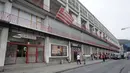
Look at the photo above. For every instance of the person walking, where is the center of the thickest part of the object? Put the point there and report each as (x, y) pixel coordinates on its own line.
(78, 59)
(84, 59)
(103, 57)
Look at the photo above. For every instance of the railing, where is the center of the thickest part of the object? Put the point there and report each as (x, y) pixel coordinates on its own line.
(16, 20)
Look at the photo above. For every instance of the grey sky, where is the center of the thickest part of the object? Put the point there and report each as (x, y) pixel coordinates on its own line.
(114, 14)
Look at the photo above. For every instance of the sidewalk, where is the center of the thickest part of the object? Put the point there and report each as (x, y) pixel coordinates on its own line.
(43, 68)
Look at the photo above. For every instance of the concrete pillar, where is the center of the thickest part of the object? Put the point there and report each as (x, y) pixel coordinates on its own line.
(91, 51)
(67, 7)
(47, 50)
(87, 24)
(3, 44)
(46, 21)
(69, 51)
(8, 7)
(7, 10)
(47, 5)
(79, 17)
(79, 20)
(97, 50)
(82, 49)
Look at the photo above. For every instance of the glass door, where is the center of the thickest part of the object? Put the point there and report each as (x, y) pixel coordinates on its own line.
(40, 54)
(11, 54)
(31, 54)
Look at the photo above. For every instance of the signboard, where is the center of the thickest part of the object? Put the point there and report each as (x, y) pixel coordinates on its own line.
(58, 50)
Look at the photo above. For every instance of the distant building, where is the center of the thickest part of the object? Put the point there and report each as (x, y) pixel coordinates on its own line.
(126, 44)
(46, 31)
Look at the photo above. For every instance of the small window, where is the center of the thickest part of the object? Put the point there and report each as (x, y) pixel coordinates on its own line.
(58, 50)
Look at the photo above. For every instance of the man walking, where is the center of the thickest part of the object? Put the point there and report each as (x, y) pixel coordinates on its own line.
(78, 59)
(103, 57)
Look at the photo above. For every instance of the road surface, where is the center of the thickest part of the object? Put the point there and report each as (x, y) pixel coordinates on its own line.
(118, 66)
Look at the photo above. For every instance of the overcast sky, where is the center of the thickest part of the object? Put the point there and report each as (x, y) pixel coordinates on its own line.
(114, 14)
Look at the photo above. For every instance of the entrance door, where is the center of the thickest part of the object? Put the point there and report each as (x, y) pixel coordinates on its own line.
(35, 54)
(31, 54)
(21, 54)
(40, 54)
(75, 56)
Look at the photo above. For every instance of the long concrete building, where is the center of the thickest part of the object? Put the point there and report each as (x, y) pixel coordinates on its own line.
(46, 31)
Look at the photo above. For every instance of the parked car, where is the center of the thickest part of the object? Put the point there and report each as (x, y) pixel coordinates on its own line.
(116, 56)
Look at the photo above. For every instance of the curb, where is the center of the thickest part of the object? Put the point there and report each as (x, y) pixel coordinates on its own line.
(77, 67)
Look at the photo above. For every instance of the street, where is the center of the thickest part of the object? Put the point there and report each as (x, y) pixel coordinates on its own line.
(119, 66)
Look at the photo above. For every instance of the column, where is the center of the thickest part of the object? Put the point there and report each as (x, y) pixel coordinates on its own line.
(91, 51)
(8, 7)
(69, 51)
(46, 5)
(67, 7)
(87, 24)
(46, 21)
(7, 10)
(82, 49)
(79, 20)
(3, 44)
(79, 17)
(97, 50)
(47, 50)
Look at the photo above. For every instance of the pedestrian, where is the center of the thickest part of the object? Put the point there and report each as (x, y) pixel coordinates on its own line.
(103, 57)
(91, 56)
(78, 59)
(84, 59)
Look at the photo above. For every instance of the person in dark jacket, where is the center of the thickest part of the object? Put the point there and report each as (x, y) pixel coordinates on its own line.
(103, 57)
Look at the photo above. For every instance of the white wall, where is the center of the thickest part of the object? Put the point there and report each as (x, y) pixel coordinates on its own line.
(47, 50)
(3, 41)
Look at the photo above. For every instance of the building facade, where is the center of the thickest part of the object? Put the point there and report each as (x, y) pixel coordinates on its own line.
(30, 32)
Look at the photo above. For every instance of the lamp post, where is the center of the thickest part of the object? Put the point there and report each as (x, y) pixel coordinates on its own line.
(125, 28)
(122, 48)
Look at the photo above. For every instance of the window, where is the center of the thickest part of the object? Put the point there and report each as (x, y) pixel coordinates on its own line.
(91, 28)
(77, 6)
(83, 23)
(86, 49)
(70, 2)
(90, 17)
(58, 50)
(96, 31)
(100, 34)
(38, 3)
(81, 9)
(74, 4)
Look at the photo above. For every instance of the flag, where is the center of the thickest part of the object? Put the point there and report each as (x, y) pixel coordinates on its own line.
(64, 16)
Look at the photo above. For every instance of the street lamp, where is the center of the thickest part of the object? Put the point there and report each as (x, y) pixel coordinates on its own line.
(122, 45)
(125, 28)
